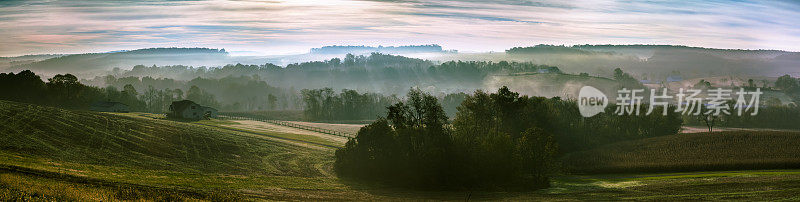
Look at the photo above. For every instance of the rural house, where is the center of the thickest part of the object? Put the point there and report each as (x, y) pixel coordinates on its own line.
(186, 109)
(108, 106)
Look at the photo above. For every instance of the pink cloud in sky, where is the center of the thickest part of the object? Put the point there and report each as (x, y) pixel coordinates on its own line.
(280, 27)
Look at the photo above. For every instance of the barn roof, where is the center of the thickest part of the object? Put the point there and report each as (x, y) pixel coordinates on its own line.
(179, 106)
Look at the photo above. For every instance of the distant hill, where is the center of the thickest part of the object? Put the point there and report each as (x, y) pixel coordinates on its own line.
(32, 57)
(358, 50)
(92, 64)
(645, 50)
(549, 49)
(646, 62)
(726, 53)
(657, 62)
(98, 62)
(6, 62)
(791, 56)
(173, 51)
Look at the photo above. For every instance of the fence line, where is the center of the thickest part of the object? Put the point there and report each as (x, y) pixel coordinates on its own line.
(291, 125)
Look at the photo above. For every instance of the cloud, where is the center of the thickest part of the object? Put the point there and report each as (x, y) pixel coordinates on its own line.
(278, 27)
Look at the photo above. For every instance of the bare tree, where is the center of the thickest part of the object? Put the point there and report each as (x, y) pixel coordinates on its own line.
(711, 120)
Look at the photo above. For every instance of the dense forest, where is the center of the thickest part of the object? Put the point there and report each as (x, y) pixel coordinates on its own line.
(789, 85)
(271, 87)
(497, 141)
(325, 104)
(239, 93)
(379, 73)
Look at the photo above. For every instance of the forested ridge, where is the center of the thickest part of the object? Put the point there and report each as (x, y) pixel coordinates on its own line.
(270, 87)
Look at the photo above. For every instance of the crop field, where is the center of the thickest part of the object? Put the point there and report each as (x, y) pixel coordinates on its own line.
(727, 150)
(53, 154)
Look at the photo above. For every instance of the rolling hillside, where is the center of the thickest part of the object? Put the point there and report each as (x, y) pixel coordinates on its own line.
(104, 139)
(6, 62)
(123, 150)
(50, 154)
(728, 150)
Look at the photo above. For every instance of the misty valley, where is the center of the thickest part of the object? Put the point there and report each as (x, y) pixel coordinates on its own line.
(401, 100)
(509, 123)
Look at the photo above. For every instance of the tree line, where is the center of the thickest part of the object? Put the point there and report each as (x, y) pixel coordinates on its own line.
(232, 93)
(376, 72)
(65, 91)
(790, 86)
(349, 105)
(60, 91)
(772, 112)
(496, 141)
(325, 104)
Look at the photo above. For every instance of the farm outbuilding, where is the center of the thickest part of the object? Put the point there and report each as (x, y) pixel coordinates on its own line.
(108, 106)
(187, 109)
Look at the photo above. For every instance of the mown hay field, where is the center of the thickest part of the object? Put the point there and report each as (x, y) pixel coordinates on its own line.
(162, 153)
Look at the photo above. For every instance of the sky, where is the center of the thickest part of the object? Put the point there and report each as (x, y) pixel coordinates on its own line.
(272, 27)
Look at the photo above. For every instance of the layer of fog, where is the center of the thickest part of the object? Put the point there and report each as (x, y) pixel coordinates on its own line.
(650, 64)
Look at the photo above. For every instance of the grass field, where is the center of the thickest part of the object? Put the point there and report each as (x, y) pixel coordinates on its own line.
(727, 150)
(288, 132)
(258, 129)
(154, 152)
(763, 185)
(60, 155)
